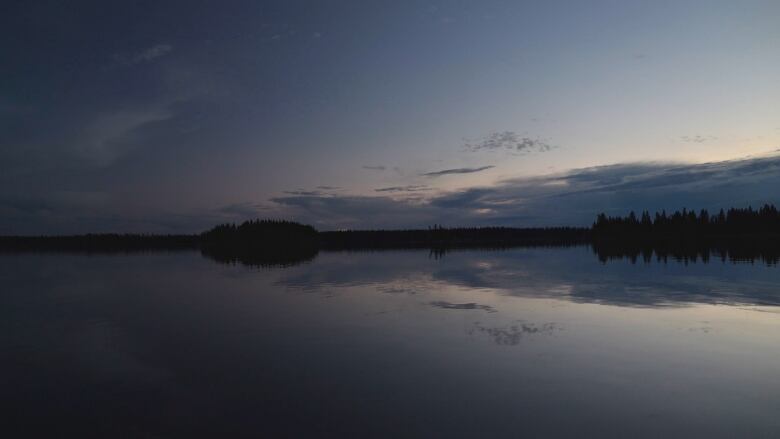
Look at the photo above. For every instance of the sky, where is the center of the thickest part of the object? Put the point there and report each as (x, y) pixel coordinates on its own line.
(172, 116)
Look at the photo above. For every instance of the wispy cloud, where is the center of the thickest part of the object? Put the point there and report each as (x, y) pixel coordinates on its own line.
(348, 211)
(145, 55)
(305, 193)
(457, 171)
(110, 136)
(322, 190)
(570, 198)
(508, 141)
(698, 139)
(375, 168)
(408, 188)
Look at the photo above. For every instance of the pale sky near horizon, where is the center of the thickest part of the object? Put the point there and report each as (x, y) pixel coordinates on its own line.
(169, 116)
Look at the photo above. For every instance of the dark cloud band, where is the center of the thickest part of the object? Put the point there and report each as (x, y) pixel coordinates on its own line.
(457, 171)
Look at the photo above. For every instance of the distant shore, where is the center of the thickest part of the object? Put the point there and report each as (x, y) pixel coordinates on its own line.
(735, 234)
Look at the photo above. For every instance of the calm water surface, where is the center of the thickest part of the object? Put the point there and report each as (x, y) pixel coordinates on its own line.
(518, 343)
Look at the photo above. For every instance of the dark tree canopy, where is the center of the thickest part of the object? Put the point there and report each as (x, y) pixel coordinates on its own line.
(736, 234)
(745, 221)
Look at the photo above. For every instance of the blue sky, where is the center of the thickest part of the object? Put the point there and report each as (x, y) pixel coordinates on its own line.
(169, 116)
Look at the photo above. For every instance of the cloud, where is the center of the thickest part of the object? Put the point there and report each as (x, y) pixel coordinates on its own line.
(111, 135)
(43, 145)
(350, 212)
(572, 198)
(51, 212)
(508, 141)
(697, 139)
(457, 171)
(319, 191)
(144, 56)
(408, 188)
(575, 197)
(375, 168)
(305, 193)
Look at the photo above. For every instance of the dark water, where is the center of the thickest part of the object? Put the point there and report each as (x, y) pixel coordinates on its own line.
(517, 343)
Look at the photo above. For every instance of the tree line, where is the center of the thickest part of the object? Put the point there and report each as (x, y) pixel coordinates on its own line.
(735, 234)
(734, 221)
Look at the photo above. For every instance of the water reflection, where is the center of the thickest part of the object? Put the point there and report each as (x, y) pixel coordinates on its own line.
(571, 274)
(259, 257)
(736, 250)
(537, 342)
(471, 305)
(512, 334)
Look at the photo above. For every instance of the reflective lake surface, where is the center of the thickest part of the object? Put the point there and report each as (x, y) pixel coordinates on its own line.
(512, 343)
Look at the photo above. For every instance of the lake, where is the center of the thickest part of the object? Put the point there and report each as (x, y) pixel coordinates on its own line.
(527, 342)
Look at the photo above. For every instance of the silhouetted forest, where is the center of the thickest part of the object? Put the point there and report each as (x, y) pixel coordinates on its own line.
(688, 236)
(264, 243)
(735, 234)
(437, 237)
(260, 243)
(734, 222)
